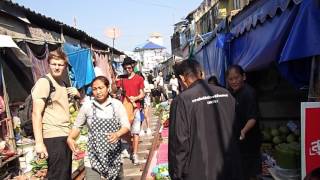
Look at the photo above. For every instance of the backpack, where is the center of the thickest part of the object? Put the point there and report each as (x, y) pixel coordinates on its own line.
(25, 110)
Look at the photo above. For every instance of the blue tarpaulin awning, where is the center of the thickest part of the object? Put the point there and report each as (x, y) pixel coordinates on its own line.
(259, 47)
(304, 38)
(211, 54)
(213, 60)
(279, 31)
(80, 60)
(257, 12)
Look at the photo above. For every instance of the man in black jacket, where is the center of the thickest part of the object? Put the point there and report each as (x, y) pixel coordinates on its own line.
(202, 144)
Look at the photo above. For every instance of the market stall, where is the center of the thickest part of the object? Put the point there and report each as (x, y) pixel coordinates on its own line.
(17, 76)
(276, 42)
(157, 163)
(26, 39)
(9, 156)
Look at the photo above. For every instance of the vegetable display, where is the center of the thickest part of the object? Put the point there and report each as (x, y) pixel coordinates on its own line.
(161, 172)
(39, 167)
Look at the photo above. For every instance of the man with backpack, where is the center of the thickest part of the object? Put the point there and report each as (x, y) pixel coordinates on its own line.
(50, 117)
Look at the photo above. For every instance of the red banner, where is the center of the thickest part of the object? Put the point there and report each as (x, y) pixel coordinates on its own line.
(311, 142)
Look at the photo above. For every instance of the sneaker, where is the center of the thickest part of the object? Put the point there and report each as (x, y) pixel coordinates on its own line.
(149, 132)
(136, 160)
(142, 133)
(125, 154)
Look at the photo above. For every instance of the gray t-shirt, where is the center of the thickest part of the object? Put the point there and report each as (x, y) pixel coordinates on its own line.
(104, 110)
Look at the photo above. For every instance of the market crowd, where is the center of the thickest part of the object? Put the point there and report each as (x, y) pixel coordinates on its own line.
(113, 113)
(213, 132)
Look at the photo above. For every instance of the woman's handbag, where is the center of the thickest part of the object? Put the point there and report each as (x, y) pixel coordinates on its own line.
(129, 108)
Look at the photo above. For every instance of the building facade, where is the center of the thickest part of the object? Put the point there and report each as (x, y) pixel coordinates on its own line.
(200, 23)
(151, 53)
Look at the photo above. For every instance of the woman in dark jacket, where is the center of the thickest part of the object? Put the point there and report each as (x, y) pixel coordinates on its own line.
(247, 121)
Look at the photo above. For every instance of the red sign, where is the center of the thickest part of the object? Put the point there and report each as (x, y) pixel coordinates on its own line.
(310, 137)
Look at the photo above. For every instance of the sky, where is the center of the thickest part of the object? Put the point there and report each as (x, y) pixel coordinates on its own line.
(135, 19)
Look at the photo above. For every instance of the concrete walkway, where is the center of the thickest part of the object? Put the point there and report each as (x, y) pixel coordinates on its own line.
(132, 172)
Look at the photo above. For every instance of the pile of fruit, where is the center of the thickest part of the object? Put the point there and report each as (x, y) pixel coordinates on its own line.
(76, 164)
(81, 141)
(73, 113)
(280, 135)
(84, 131)
(158, 109)
(287, 155)
(284, 144)
(162, 110)
(161, 172)
(39, 167)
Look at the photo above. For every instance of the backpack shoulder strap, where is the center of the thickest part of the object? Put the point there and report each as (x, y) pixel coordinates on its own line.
(51, 89)
(65, 84)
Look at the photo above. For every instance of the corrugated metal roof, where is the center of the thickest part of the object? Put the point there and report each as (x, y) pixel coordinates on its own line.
(54, 25)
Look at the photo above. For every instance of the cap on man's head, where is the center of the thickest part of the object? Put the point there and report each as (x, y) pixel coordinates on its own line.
(128, 61)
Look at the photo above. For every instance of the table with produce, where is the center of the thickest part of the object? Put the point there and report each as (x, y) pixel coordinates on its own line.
(159, 164)
(78, 159)
(33, 167)
(281, 151)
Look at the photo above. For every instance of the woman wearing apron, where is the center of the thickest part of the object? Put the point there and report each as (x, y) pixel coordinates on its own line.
(107, 121)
